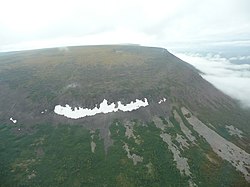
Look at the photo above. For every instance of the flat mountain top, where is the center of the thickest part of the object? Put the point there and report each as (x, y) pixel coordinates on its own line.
(132, 107)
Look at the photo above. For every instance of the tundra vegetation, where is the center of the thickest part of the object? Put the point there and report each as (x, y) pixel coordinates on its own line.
(159, 144)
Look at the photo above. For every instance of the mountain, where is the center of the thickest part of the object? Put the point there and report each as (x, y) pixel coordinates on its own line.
(117, 115)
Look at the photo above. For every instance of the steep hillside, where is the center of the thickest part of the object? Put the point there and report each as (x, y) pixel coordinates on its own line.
(69, 115)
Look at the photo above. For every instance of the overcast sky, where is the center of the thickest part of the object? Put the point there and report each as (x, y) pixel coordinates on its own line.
(28, 24)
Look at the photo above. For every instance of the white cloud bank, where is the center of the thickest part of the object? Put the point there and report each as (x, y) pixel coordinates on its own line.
(232, 79)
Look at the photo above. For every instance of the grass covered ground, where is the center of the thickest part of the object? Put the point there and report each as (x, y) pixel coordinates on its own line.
(61, 156)
(51, 150)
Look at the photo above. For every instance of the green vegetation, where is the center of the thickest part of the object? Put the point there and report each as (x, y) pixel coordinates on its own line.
(61, 156)
(44, 149)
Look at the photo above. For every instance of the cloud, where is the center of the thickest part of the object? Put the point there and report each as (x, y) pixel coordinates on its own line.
(165, 22)
(111, 37)
(232, 79)
(240, 58)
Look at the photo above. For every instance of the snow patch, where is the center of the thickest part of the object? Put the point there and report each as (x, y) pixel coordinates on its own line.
(44, 111)
(162, 100)
(105, 108)
(13, 120)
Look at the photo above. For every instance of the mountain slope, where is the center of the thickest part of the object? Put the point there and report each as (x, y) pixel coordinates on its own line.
(148, 138)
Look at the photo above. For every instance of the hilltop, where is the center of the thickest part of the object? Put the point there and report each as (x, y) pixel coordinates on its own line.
(139, 112)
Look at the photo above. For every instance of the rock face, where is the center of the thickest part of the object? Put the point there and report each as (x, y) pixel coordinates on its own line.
(136, 109)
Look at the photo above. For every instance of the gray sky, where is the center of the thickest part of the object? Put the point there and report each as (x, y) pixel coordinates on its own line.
(35, 24)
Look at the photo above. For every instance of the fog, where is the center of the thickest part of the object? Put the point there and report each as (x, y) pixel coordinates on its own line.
(232, 79)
